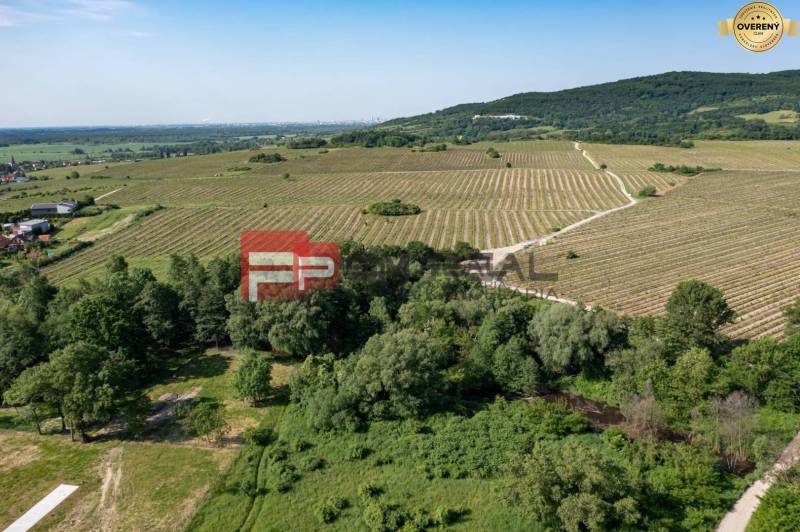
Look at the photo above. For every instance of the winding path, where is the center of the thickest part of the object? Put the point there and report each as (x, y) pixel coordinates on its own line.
(739, 515)
(498, 254)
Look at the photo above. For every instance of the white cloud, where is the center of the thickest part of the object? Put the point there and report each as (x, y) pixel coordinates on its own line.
(23, 12)
(96, 9)
(8, 16)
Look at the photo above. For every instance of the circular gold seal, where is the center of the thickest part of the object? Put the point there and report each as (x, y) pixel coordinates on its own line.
(758, 26)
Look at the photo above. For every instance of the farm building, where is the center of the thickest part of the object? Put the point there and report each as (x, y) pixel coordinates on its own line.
(62, 207)
(36, 227)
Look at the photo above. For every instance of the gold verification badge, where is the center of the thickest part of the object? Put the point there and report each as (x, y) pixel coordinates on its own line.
(758, 26)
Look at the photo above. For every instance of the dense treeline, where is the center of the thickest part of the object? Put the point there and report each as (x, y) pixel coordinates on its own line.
(662, 109)
(410, 347)
(165, 134)
(373, 138)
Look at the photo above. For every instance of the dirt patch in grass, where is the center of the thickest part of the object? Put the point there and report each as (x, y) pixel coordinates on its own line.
(11, 458)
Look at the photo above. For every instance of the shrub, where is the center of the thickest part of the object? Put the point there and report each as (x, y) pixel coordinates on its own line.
(370, 490)
(312, 463)
(358, 452)
(571, 254)
(267, 158)
(647, 191)
(383, 517)
(492, 153)
(329, 511)
(259, 436)
(252, 379)
(393, 208)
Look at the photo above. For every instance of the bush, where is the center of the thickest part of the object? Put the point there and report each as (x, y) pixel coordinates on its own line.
(370, 490)
(572, 254)
(329, 511)
(252, 379)
(267, 158)
(383, 517)
(358, 452)
(259, 436)
(647, 191)
(393, 208)
(312, 463)
(492, 153)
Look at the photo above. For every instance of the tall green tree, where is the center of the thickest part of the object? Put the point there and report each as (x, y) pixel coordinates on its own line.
(21, 345)
(252, 379)
(695, 313)
(91, 383)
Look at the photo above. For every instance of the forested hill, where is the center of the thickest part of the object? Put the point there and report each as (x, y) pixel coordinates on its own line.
(660, 109)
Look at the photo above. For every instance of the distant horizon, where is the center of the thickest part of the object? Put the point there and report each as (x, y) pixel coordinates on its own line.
(366, 121)
(127, 62)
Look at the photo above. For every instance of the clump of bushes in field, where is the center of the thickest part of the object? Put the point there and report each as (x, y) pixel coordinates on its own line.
(572, 254)
(554, 229)
(329, 511)
(647, 191)
(267, 158)
(239, 169)
(492, 153)
(393, 208)
(682, 169)
(436, 147)
(306, 142)
(147, 212)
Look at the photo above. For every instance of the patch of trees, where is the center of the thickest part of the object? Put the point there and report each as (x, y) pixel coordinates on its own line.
(306, 142)
(393, 208)
(648, 191)
(492, 153)
(374, 138)
(682, 169)
(267, 158)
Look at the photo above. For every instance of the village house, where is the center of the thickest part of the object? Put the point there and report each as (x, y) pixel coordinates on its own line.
(33, 227)
(53, 209)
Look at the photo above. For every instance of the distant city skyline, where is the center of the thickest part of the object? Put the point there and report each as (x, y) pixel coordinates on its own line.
(138, 62)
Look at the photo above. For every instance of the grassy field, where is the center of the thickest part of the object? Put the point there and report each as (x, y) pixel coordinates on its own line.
(154, 484)
(773, 117)
(64, 152)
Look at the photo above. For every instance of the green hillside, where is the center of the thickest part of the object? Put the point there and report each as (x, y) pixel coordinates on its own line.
(660, 109)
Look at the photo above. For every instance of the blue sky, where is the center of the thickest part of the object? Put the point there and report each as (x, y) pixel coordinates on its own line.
(100, 62)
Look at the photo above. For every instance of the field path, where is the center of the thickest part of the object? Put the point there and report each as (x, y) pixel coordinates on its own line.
(737, 518)
(107, 194)
(498, 254)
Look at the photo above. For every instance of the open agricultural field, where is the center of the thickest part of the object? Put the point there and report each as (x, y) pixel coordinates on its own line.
(739, 231)
(65, 151)
(153, 484)
(482, 202)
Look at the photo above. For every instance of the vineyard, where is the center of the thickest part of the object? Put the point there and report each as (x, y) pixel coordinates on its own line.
(487, 207)
(738, 231)
(757, 156)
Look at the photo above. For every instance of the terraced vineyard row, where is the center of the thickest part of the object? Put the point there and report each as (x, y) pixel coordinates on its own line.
(636, 181)
(210, 231)
(630, 261)
(754, 156)
(508, 189)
